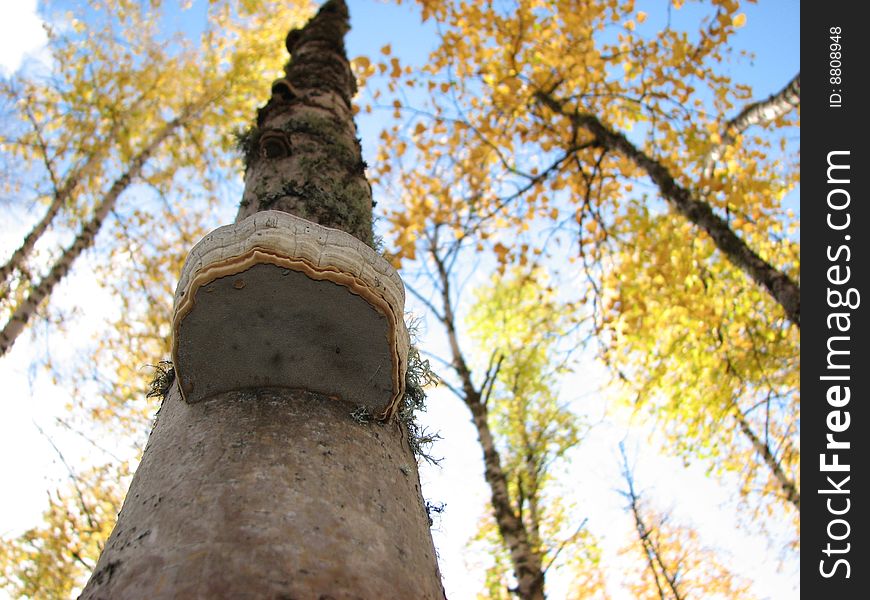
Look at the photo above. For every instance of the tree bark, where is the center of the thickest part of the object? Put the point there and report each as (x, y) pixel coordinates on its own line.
(778, 284)
(40, 291)
(303, 156)
(526, 562)
(272, 492)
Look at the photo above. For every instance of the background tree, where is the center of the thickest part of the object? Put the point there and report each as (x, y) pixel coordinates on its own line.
(517, 328)
(85, 136)
(519, 320)
(53, 559)
(590, 126)
(677, 566)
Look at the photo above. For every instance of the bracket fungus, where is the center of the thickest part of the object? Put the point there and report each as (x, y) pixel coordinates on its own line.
(278, 301)
(274, 144)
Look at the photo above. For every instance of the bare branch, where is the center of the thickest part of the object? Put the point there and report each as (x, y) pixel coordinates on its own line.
(72, 477)
(757, 113)
(779, 285)
(655, 561)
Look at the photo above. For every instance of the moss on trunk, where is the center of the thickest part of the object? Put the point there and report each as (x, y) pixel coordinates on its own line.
(303, 156)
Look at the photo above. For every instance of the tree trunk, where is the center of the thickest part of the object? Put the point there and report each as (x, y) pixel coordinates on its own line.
(40, 291)
(272, 492)
(779, 285)
(789, 487)
(59, 199)
(757, 113)
(652, 553)
(526, 561)
(16, 261)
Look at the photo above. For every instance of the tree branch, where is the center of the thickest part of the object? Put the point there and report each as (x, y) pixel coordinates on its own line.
(780, 287)
(789, 488)
(644, 533)
(757, 113)
(40, 291)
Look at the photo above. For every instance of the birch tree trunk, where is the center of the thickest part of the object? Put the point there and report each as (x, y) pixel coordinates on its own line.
(271, 492)
(789, 488)
(525, 559)
(60, 198)
(43, 288)
(778, 284)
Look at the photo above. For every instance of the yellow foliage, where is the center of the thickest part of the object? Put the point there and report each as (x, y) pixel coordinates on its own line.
(54, 559)
(673, 562)
(518, 324)
(514, 148)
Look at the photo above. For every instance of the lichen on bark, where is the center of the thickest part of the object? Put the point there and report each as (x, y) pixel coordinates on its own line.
(303, 155)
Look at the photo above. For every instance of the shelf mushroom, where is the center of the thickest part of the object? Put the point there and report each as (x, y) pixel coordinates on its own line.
(278, 301)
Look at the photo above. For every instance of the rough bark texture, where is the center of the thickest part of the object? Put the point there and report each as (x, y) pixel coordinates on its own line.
(778, 284)
(270, 494)
(303, 157)
(275, 493)
(40, 291)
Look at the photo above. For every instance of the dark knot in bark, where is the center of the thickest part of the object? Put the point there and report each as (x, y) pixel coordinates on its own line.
(283, 91)
(274, 144)
(293, 39)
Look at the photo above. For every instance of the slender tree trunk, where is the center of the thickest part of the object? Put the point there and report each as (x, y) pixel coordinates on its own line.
(41, 290)
(789, 488)
(60, 197)
(654, 560)
(270, 492)
(757, 113)
(17, 259)
(527, 563)
(778, 284)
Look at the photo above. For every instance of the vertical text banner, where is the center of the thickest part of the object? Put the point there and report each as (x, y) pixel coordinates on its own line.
(835, 363)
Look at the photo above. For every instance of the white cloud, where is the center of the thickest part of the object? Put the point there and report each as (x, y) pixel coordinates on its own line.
(21, 33)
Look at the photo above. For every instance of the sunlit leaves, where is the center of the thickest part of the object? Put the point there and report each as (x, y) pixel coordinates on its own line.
(701, 348)
(518, 322)
(699, 343)
(53, 559)
(115, 84)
